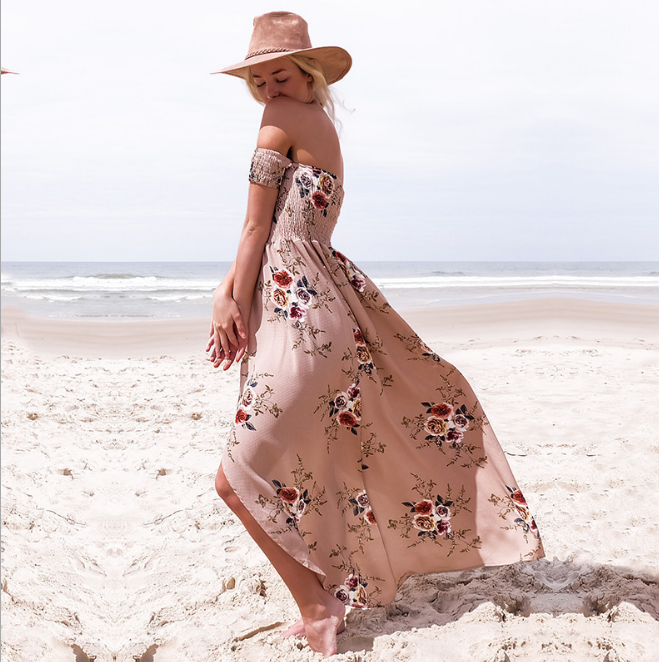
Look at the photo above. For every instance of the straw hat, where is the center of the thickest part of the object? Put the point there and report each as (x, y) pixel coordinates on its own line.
(281, 33)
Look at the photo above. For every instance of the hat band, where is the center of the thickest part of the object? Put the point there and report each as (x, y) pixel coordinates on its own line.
(268, 50)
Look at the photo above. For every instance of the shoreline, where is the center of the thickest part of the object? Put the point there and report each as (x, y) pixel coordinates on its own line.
(111, 338)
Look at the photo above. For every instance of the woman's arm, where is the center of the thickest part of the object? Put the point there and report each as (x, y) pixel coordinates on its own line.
(260, 207)
(232, 300)
(226, 286)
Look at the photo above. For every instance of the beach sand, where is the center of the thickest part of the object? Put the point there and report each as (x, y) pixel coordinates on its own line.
(116, 548)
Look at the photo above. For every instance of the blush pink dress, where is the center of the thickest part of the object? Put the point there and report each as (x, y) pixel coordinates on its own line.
(360, 451)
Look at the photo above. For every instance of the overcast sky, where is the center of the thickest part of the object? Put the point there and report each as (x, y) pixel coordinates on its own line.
(475, 130)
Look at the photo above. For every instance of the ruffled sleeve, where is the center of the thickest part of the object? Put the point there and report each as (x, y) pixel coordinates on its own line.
(268, 167)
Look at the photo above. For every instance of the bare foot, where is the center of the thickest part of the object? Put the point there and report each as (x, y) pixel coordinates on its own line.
(298, 628)
(321, 623)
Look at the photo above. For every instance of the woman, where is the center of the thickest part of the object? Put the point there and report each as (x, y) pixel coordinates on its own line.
(358, 457)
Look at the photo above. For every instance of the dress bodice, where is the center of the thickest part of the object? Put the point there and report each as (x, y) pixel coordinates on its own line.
(309, 199)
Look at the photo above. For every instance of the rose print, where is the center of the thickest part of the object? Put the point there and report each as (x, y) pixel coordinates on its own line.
(248, 398)
(343, 594)
(346, 409)
(289, 494)
(280, 298)
(282, 278)
(319, 200)
(359, 337)
(443, 410)
(359, 599)
(435, 426)
(363, 521)
(363, 354)
(354, 391)
(352, 582)
(444, 527)
(430, 518)
(424, 507)
(358, 283)
(296, 312)
(443, 512)
(461, 422)
(341, 257)
(341, 400)
(424, 522)
(347, 419)
(254, 401)
(515, 503)
(241, 416)
(325, 184)
(518, 497)
(353, 274)
(294, 501)
(353, 592)
(454, 435)
(443, 422)
(303, 297)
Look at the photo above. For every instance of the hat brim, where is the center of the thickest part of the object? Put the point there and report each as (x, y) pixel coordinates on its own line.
(336, 62)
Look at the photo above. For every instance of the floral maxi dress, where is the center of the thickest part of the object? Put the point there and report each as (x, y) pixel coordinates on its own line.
(360, 451)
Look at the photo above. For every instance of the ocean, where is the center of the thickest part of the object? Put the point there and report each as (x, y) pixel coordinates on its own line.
(166, 290)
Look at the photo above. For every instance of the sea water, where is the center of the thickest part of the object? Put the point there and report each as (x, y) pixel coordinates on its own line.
(184, 289)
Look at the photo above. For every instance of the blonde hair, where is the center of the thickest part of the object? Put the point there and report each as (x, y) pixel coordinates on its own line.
(319, 86)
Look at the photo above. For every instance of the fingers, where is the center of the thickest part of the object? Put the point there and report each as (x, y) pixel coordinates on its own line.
(222, 347)
(227, 345)
(217, 344)
(231, 336)
(240, 327)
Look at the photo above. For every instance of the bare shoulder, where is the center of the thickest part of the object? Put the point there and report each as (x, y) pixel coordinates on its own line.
(280, 124)
(286, 112)
(302, 131)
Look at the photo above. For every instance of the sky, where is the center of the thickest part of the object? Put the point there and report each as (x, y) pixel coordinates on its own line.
(471, 130)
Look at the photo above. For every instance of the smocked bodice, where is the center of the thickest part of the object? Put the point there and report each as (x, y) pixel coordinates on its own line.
(309, 199)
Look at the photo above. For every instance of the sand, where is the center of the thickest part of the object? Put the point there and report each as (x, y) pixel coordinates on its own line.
(115, 546)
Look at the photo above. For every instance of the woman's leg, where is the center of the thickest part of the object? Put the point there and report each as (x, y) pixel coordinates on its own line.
(321, 612)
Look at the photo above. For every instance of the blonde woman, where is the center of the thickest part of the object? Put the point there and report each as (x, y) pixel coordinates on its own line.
(358, 456)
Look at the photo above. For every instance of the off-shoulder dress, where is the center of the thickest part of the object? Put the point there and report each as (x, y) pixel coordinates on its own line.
(358, 449)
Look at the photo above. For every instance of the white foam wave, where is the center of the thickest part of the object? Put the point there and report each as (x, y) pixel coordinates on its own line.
(137, 283)
(524, 282)
(178, 297)
(50, 297)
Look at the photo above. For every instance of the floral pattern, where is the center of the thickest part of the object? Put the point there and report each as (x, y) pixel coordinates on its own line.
(345, 409)
(317, 185)
(293, 297)
(415, 346)
(290, 502)
(355, 501)
(344, 269)
(352, 591)
(254, 401)
(446, 424)
(431, 516)
(515, 504)
(352, 443)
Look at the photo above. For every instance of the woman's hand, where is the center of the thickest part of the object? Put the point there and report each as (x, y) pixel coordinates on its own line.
(228, 331)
